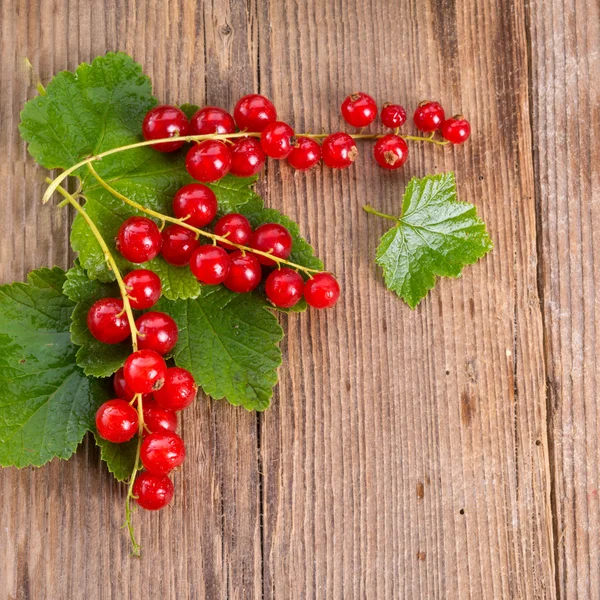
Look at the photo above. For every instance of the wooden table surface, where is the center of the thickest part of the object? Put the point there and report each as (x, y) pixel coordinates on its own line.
(450, 452)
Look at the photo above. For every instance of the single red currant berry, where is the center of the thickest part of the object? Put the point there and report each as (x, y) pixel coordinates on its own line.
(157, 331)
(165, 122)
(107, 321)
(179, 390)
(157, 418)
(247, 157)
(244, 272)
(277, 139)
(234, 227)
(211, 119)
(322, 291)
(284, 287)
(272, 238)
(117, 421)
(143, 288)
(339, 150)
(138, 239)
(393, 115)
(210, 264)
(254, 112)
(153, 492)
(429, 116)
(144, 371)
(122, 390)
(391, 151)
(178, 245)
(162, 452)
(359, 109)
(456, 130)
(305, 154)
(208, 161)
(196, 203)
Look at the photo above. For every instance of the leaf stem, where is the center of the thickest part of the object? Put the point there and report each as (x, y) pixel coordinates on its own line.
(369, 209)
(136, 468)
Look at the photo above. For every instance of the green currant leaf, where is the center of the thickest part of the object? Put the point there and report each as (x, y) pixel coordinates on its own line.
(436, 236)
(119, 458)
(46, 402)
(230, 343)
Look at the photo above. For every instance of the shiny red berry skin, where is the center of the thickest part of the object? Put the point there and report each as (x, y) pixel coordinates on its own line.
(277, 140)
(163, 122)
(117, 421)
(359, 109)
(153, 492)
(234, 227)
(122, 390)
(322, 291)
(456, 130)
(244, 273)
(254, 112)
(157, 418)
(339, 150)
(107, 321)
(305, 154)
(144, 371)
(272, 238)
(429, 116)
(144, 288)
(247, 157)
(179, 390)
(211, 119)
(393, 115)
(208, 161)
(178, 245)
(284, 287)
(391, 152)
(158, 332)
(162, 452)
(139, 239)
(210, 264)
(197, 202)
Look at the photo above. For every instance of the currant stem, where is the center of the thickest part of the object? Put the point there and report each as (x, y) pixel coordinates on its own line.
(212, 236)
(369, 209)
(109, 259)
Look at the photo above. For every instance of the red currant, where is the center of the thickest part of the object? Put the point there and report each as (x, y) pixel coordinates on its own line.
(144, 371)
(456, 130)
(107, 321)
(322, 291)
(208, 161)
(429, 116)
(284, 287)
(305, 154)
(164, 122)
(143, 287)
(197, 202)
(272, 238)
(359, 109)
(211, 119)
(153, 492)
(210, 264)
(244, 273)
(393, 115)
(339, 150)
(391, 151)
(234, 227)
(157, 331)
(178, 245)
(254, 112)
(247, 157)
(179, 390)
(122, 390)
(117, 421)
(157, 418)
(277, 139)
(139, 239)
(162, 452)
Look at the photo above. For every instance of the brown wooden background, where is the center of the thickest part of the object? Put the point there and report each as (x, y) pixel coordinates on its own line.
(450, 452)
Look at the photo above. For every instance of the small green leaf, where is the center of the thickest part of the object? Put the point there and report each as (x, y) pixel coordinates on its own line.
(436, 236)
(119, 458)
